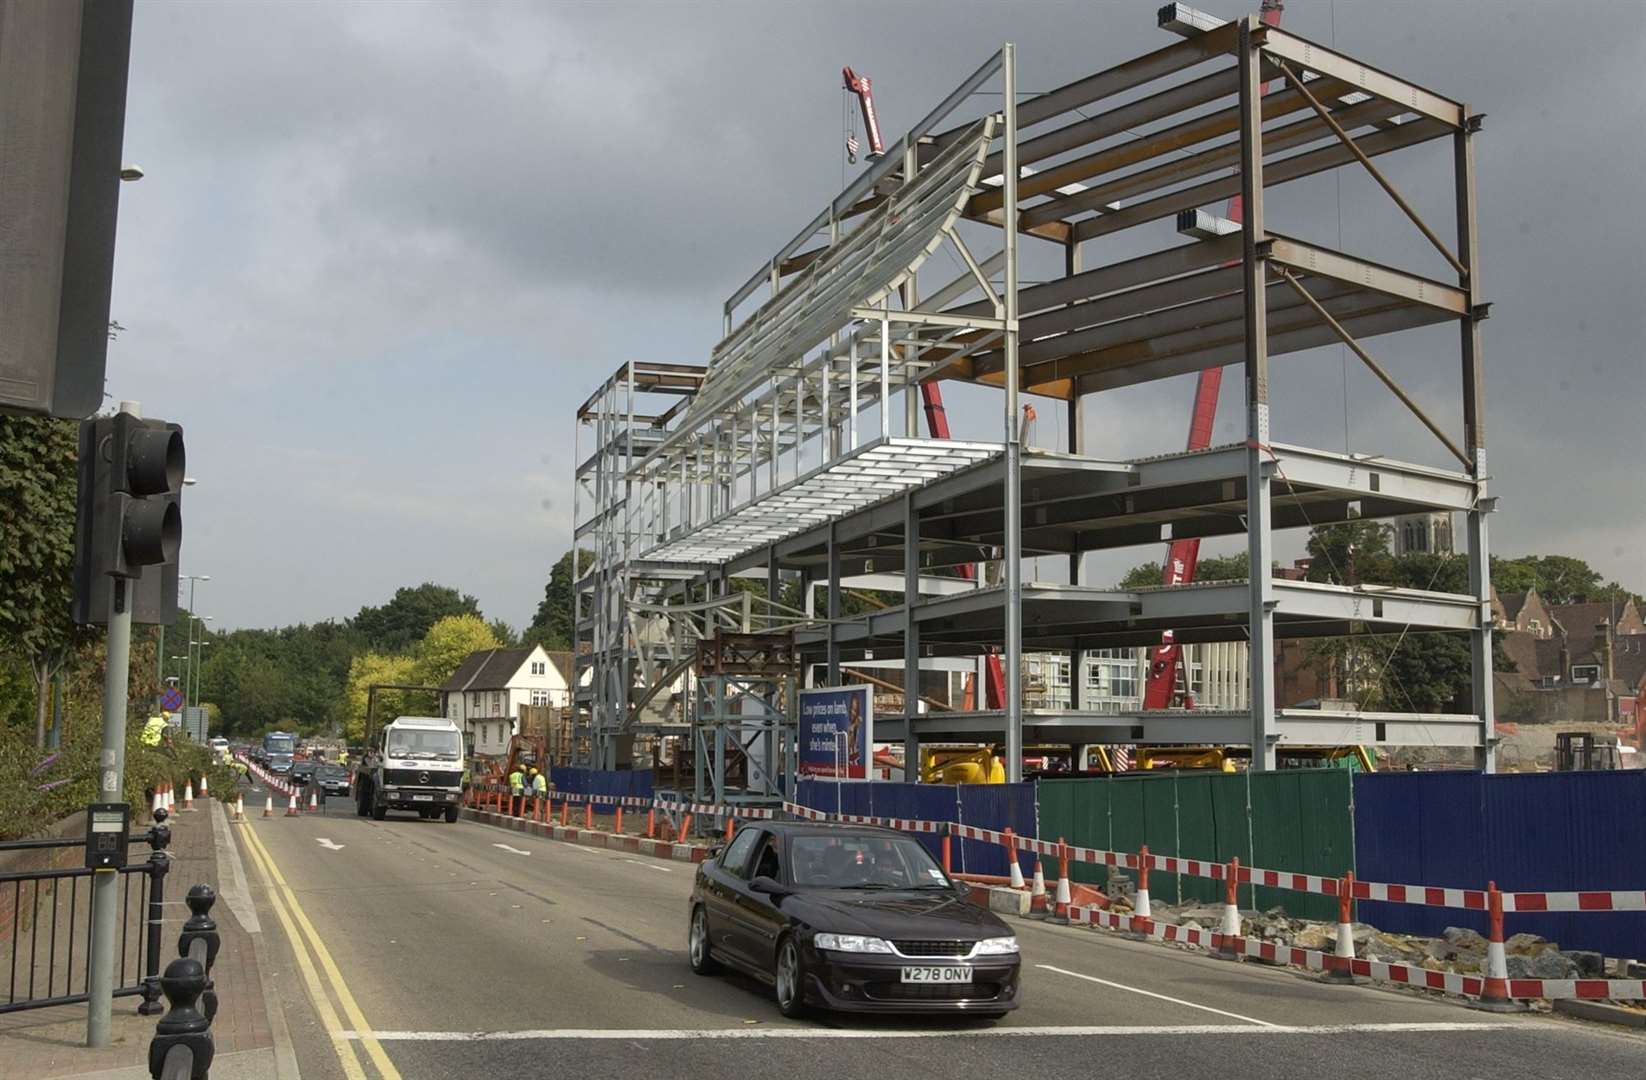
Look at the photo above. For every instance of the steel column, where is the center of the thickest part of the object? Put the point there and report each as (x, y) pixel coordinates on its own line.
(831, 605)
(1075, 445)
(1014, 449)
(911, 637)
(1474, 433)
(1259, 542)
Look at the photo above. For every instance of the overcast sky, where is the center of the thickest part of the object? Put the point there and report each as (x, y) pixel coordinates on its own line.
(383, 250)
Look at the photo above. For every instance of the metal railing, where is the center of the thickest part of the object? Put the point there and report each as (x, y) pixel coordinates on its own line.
(45, 922)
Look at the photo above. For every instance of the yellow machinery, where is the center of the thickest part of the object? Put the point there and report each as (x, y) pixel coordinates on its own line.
(960, 765)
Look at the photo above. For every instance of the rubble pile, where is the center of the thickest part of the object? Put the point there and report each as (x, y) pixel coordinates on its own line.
(1458, 950)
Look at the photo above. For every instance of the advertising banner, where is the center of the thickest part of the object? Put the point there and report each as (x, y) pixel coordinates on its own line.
(837, 732)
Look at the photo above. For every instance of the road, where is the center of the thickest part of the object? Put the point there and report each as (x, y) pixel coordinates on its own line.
(409, 948)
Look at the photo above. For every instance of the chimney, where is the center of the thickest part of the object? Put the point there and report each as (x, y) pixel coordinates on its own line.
(1603, 631)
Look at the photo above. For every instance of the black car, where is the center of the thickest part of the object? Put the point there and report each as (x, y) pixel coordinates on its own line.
(302, 771)
(849, 918)
(332, 779)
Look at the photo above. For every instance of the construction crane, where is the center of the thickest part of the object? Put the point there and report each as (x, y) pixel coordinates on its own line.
(860, 85)
(1161, 688)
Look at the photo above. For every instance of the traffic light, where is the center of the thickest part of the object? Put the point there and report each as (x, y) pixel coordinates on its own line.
(63, 66)
(128, 518)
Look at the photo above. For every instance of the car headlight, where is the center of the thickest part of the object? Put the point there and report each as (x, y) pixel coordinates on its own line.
(851, 943)
(996, 946)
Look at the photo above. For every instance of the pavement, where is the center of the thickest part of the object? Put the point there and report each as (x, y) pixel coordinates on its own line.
(409, 948)
(50, 1043)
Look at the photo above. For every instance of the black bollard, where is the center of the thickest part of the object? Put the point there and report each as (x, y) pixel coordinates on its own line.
(158, 837)
(200, 941)
(182, 1045)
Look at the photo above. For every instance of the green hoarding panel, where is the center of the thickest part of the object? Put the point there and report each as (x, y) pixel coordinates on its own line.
(1197, 830)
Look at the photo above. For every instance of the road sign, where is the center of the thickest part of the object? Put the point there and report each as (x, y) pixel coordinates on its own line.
(171, 700)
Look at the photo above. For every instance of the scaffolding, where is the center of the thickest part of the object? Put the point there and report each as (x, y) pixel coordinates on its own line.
(795, 455)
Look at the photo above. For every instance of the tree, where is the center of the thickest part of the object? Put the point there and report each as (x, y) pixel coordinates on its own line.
(1559, 579)
(1353, 553)
(447, 644)
(370, 669)
(38, 478)
(551, 627)
(402, 622)
(1234, 567)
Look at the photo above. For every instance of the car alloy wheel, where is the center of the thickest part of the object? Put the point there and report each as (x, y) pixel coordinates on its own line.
(697, 944)
(790, 998)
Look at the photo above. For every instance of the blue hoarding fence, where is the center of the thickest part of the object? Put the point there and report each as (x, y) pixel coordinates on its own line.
(573, 781)
(988, 806)
(1529, 832)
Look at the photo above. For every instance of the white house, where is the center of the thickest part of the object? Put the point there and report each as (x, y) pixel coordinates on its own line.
(486, 692)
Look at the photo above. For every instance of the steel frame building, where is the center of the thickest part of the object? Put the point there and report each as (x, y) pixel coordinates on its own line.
(790, 453)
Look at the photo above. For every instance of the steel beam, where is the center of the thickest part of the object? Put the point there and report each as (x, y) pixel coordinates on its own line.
(1013, 547)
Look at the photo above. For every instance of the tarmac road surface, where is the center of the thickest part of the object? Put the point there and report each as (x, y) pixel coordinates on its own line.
(410, 948)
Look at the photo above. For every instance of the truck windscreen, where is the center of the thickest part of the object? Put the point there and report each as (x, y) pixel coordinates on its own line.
(412, 742)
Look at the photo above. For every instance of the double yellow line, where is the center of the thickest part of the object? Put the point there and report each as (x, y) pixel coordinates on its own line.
(291, 917)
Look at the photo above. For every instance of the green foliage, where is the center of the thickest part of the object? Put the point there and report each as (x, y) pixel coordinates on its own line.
(1353, 553)
(551, 627)
(1234, 567)
(447, 644)
(402, 622)
(37, 489)
(367, 670)
(293, 677)
(1559, 579)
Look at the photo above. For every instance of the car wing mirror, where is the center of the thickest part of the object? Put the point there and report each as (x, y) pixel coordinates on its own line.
(962, 889)
(766, 886)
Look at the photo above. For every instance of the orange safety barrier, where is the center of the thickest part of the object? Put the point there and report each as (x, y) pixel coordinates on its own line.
(731, 826)
(565, 813)
(617, 819)
(685, 827)
(948, 862)
(588, 815)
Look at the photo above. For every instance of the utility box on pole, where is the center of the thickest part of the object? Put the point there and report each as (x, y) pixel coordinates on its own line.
(62, 122)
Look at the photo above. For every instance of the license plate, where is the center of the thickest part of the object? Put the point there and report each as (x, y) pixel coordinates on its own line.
(422, 798)
(944, 974)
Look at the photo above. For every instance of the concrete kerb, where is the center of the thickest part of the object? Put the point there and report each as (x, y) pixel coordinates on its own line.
(638, 845)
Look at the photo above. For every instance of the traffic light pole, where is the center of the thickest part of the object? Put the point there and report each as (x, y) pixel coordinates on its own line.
(111, 784)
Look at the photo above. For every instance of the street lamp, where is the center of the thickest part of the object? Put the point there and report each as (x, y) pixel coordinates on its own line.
(196, 651)
(192, 579)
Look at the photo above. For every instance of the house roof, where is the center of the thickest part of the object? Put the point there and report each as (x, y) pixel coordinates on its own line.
(1521, 646)
(1512, 603)
(488, 669)
(1579, 620)
(562, 662)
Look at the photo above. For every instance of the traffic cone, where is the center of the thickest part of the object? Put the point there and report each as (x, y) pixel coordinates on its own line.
(291, 805)
(314, 804)
(203, 791)
(1037, 890)
(1229, 932)
(1016, 870)
(240, 808)
(268, 804)
(188, 795)
(1060, 903)
(1142, 914)
(171, 800)
(159, 802)
(1344, 953)
(1494, 990)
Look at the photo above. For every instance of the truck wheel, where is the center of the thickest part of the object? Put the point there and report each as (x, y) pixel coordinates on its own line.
(451, 815)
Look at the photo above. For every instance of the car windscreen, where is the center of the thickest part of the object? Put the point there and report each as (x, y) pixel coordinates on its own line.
(424, 743)
(863, 862)
(332, 772)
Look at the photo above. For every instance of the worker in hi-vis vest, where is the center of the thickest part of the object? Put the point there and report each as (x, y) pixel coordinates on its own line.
(517, 783)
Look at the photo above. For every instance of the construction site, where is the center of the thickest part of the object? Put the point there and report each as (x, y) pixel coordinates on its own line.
(796, 512)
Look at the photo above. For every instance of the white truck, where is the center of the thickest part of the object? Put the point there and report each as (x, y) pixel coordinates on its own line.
(416, 763)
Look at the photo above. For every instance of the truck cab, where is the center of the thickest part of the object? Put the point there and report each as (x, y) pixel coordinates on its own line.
(416, 763)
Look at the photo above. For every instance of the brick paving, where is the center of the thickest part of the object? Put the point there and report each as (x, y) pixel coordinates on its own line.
(44, 1043)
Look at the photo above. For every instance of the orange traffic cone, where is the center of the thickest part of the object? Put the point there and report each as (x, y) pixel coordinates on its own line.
(240, 808)
(188, 795)
(314, 804)
(291, 805)
(268, 805)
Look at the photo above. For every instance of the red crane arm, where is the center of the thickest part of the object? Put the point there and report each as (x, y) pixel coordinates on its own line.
(860, 85)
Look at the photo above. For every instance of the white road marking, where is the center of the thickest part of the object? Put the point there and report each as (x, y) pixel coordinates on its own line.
(326, 842)
(511, 850)
(651, 866)
(677, 1034)
(1151, 993)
